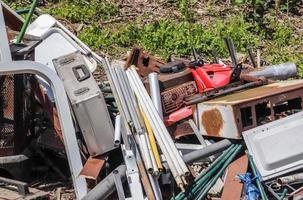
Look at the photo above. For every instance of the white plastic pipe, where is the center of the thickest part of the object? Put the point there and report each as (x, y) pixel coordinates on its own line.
(117, 137)
(167, 154)
(159, 122)
(155, 92)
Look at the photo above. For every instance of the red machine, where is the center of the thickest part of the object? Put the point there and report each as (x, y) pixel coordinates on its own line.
(210, 76)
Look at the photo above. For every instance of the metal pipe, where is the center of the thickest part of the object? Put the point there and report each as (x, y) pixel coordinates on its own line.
(290, 179)
(159, 122)
(176, 156)
(206, 97)
(211, 183)
(205, 152)
(206, 175)
(197, 132)
(107, 186)
(118, 184)
(283, 195)
(27, 21)
(117, 138)
(255, 173)
(158, 136)
(155, 92)
(277, 72)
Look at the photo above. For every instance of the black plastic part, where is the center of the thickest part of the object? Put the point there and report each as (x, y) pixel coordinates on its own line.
(86, 73)
(173, 67)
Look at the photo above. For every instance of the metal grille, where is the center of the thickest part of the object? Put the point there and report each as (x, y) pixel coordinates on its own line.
(16, 98)
(173, 98)
(7, 124)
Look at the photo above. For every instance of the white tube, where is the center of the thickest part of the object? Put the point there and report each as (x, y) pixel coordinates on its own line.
(145, 153)
(153, 160)
(140, 136)
(155, 186)
(117, 138)
(157, 135)
(155, 92)
(160, 123)
(152, 114)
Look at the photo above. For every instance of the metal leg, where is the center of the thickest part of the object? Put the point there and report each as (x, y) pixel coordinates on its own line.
(70, 141)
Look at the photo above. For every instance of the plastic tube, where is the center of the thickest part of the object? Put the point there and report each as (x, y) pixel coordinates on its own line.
(152, 141)
(117, 137)
(153, 116)
(159, 122)
(155, 92)
(163, 147)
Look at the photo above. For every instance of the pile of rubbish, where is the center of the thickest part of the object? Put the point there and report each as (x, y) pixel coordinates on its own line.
(148, 129)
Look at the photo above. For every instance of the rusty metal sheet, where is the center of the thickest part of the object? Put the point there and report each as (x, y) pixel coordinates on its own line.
(258, 93)
(92, 168)
(232, 186)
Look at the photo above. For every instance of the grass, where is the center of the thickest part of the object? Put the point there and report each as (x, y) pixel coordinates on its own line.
(163, 36)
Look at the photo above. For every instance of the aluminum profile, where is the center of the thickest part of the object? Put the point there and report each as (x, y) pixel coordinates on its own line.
(277, 146)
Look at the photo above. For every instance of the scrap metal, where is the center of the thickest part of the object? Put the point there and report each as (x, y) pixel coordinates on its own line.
(228, 116)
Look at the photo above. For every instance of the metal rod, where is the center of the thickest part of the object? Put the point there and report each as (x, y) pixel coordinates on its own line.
(197, 132)
(27, 21)
(255, 173)
(117, 137)
(107, 186)
(283, 195)
(208, 174)
(225, 92)
(211, 183)
(155, 92)
(119, 185)
(252, 57)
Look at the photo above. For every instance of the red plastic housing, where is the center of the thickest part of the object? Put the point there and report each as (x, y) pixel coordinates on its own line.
(211, 76)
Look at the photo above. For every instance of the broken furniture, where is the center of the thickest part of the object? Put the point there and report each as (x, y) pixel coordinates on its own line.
(229, 115)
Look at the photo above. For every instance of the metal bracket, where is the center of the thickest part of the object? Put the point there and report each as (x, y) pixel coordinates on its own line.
(64, 114)
(22, 187)
(132, 173)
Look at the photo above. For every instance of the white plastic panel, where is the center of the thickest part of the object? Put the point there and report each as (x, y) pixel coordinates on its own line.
(277, 146)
